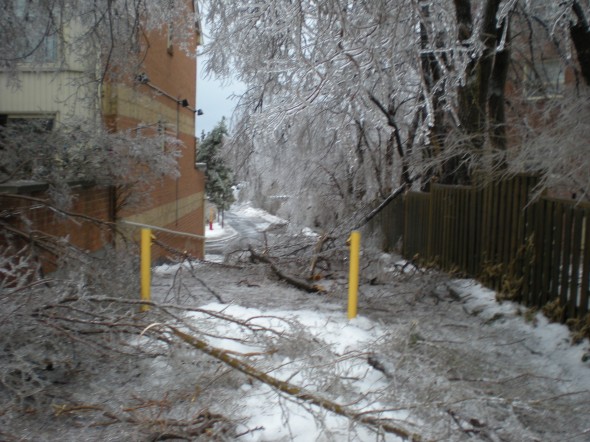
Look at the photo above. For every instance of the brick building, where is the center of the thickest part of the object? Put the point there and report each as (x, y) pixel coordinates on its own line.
(161, 97)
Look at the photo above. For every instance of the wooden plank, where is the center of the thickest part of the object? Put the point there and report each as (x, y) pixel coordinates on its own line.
(459, 222)
(464, 231)
(537, 270)
(501, 230)
(584, 295)
(490, 214)
(518, 247)
(576, 259)
(445, 209)
(408, 249)
(425, 210)
(566, 261)
(509, 199)
(485, 223)
(477, 246)
(558, 247)
(416, 224)
(514, 219)
(547, 252)
(496, 237)
(529, 251)
(451, 239)
(471, 244)
(433, 225)
(444, 206)
(434, 222)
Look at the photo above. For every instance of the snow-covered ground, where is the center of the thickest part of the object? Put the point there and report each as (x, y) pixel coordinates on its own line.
(427, 354)
(215, 231)
(446, 367)
(434, 356)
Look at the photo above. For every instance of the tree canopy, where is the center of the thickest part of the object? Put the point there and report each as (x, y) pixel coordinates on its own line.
(93, 43)
(219, 180)
(346, 100)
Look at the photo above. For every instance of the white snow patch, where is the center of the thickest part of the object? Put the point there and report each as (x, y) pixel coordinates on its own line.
(276, 416)
(247, 211)
(553, 340)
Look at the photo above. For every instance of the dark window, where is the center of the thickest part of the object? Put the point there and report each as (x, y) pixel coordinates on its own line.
(38, 40)
(545, 80)
(29, 123)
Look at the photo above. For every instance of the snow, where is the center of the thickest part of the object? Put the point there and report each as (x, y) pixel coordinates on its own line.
(275, 417)
(218, 231)
(427, 353)
(318, 349)
(262, 406)
(246, 210)
(553, 339)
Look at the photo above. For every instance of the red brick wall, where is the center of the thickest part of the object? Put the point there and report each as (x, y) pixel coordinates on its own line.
(39, 221)
(175, 74)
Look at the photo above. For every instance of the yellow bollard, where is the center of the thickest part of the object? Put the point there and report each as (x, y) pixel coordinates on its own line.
(353, 279)
(145, 267)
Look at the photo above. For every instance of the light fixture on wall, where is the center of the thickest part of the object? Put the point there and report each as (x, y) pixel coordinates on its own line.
(142, 78)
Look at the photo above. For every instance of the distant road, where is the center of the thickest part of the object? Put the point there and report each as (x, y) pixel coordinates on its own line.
(246, 228)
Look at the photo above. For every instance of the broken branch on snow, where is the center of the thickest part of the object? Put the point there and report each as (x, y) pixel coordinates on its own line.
(300, 284)
(291, 389)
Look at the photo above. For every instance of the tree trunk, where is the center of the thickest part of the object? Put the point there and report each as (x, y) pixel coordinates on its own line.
(432, 74)
(580, 35)
(473, 96)
(496, 101)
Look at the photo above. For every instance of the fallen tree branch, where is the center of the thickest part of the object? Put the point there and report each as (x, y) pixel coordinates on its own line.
(203, 423)
(316, 253)
(290, 389)
(300, 284)
(397, 192)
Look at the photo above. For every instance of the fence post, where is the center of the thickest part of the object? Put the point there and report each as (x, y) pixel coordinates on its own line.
(353, 279)
(145, 267)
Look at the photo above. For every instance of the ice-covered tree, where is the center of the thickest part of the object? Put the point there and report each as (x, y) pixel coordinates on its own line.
(102, 42)
(386, 92)
(98, 42)
(218, 183)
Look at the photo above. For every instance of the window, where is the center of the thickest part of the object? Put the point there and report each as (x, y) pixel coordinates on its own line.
(38, 38)
(545, 80)
(37, 123)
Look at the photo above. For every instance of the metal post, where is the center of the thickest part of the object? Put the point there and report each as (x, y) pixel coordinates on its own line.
(353, 279)
(145, 266)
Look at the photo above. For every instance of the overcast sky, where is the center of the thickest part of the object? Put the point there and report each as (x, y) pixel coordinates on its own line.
(213, 96)
(213, 99)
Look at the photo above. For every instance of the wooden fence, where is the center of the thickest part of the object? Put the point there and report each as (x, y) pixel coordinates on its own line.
(534, 252)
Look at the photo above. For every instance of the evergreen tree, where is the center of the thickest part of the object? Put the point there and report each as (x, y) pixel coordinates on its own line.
(218, 175)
